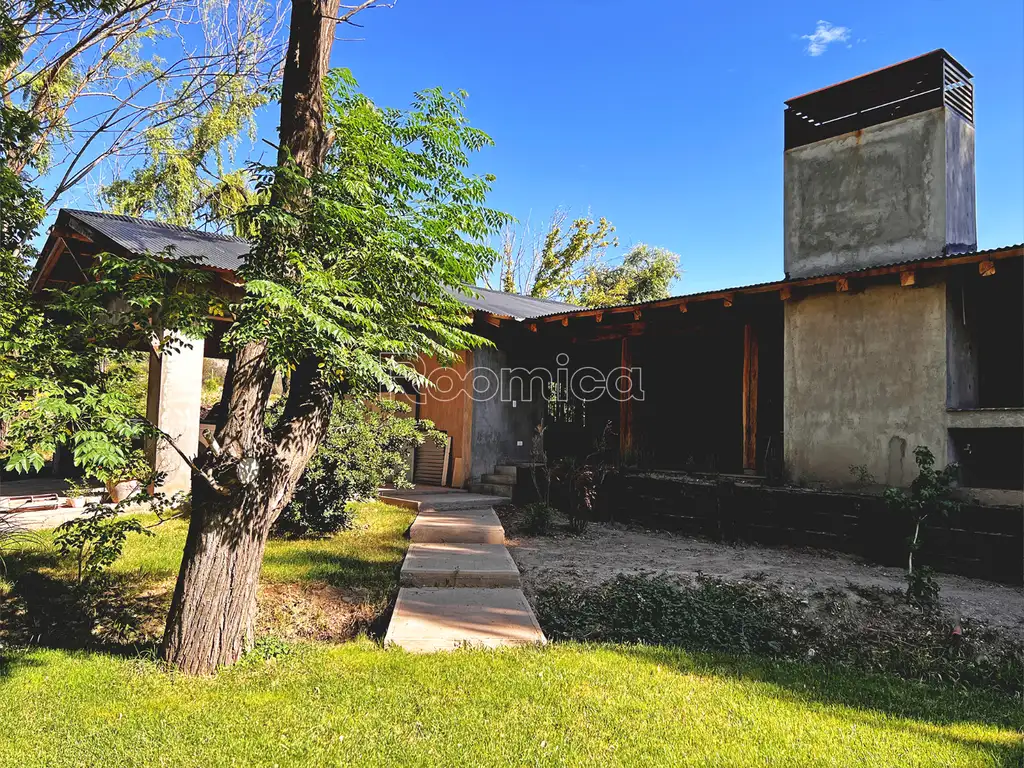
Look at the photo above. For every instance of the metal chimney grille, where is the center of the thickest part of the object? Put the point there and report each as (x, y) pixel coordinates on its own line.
(958, 90)
(913, 86)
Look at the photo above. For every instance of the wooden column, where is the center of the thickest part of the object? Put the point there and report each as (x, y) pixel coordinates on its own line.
(749, 399)
(626, 402)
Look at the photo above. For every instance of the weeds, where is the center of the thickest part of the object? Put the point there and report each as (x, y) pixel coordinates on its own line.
(883, 634)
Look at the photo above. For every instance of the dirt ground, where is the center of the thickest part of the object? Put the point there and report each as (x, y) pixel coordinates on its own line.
(606, 550)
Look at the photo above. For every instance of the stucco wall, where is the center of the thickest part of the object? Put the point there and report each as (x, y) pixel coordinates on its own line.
(865, 382)
(498, 426)
(880, 195)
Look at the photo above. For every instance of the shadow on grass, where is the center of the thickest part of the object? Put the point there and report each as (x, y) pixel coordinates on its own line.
(868, 692)
(377, 576)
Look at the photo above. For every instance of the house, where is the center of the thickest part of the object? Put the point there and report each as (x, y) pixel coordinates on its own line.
(890, 329)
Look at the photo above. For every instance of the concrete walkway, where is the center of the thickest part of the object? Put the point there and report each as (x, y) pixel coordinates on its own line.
(460, 586)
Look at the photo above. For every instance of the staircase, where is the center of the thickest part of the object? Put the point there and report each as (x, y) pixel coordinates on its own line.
(459, 585)
(500, 483)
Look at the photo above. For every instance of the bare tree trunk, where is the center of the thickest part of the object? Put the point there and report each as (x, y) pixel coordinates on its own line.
(214, 606)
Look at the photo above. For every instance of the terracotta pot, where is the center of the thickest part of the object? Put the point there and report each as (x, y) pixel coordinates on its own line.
(123, 490)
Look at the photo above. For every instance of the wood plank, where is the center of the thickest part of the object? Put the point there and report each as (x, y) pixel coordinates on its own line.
(750, 373)
(987, 268)
(785, 293)
(842, 285)
(784, 287)
(626, 402)
(908, 278)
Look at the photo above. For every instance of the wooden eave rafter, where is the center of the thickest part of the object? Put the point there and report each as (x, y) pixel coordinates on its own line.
(785, 287)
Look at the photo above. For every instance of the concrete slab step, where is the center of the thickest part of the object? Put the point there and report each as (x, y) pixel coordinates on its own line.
(459, 565)
(457, 526)
(504, 491)
(499, 479)
(428, 620)
(507, 469)
(441, 501)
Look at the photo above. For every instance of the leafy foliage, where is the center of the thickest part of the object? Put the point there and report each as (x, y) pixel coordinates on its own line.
(538, 517)
(367, 447)
(358, 270)
(762, 619)
(70, 370)
(569, 263)
(564, 251)
(931, 494)
(644, 274)
(187, 181)
(95, 539)
(108, 82)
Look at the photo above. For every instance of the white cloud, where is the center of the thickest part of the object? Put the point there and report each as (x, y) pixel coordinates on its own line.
(824, 35)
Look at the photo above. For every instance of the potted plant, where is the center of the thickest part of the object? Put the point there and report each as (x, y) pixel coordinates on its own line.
(124, 479)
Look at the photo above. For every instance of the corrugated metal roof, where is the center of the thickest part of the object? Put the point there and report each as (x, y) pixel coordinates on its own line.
(512, 304)
(225, 252)
(146, 236)
(138, 235)
(794, 281)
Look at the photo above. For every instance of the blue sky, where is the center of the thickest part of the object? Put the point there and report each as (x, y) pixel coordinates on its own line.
(666, 117)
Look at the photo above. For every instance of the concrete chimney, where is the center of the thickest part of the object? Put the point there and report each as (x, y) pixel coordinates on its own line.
(880, 169)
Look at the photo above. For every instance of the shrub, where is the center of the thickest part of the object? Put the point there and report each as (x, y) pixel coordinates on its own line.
(537, 517)
(880, 633)
(931, 494)
(366, 447)
(96, 539)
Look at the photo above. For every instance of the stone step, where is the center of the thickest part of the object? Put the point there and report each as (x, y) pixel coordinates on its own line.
(457, 526)
(459, 565)
(427, 620)
(441, 500)
(507, 469)
(499, 479)
(504, 491)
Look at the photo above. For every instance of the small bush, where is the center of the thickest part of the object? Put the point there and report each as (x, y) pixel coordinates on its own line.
(95, 612)
(538, 517)
(885, 634)
(366, 447)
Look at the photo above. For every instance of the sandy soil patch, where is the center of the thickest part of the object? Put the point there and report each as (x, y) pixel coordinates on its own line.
(606, 550)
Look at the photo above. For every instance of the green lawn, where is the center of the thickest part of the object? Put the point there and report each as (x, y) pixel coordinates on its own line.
(365, 558)
(566, 704)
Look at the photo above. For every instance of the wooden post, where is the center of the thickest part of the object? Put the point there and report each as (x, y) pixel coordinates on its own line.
(626, 402)
(750, 354)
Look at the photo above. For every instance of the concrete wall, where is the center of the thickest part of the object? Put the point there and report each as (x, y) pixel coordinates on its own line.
(865, 382)
(173, 403)
(498, 425)
(897, 191)
(961, 195)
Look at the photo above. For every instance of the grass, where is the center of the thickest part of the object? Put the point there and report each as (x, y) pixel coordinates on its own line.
(569, 704)
(356, 704)
(364, 558)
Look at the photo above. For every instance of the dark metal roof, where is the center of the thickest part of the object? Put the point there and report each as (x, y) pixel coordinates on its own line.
(912, 86)
(137, 235)
(930, 260)
(146, 236)
(512, 304)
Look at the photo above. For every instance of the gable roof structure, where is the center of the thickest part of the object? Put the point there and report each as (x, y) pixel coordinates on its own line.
(226, 253)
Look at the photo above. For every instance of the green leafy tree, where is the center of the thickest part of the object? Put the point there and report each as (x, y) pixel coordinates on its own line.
(107, 82)
(189, 181)
(367, 447)
(565, 250)
(569, 262)
(645, 274)
(371, 222)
